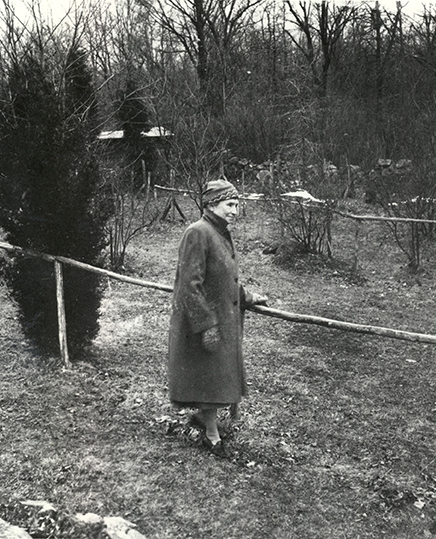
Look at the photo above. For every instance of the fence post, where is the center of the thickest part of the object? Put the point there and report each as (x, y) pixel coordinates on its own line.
(356, 247)
(62, 325)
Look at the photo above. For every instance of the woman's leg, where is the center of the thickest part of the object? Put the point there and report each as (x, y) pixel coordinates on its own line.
(209, 417)
(212, 439)
(234, 411)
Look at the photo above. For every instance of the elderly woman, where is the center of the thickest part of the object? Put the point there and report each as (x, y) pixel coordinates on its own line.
(206, 369)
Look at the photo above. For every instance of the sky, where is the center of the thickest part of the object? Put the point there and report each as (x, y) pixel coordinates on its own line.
(409, 7)
(55, 9)
(58, 8)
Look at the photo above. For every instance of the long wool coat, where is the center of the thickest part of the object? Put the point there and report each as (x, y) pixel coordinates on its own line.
(207, 293)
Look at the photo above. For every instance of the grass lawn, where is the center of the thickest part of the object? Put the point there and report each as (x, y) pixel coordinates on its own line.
(337, 437)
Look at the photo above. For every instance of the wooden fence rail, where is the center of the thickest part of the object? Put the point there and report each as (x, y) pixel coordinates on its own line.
(266, 311)
(382, 219)
(308, 204)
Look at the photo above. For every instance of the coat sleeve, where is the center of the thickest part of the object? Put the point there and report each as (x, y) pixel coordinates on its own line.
(192, 273)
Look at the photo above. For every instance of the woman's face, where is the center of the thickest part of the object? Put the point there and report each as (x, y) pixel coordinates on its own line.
(226, 209)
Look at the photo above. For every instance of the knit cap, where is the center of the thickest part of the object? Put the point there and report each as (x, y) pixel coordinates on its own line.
(218, 190)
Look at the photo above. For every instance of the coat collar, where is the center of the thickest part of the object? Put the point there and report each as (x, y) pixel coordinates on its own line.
(218, 222)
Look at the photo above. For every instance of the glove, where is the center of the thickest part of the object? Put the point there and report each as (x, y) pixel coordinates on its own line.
(211, 339)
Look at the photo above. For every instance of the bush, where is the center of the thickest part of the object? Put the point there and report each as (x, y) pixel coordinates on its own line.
(50, 189)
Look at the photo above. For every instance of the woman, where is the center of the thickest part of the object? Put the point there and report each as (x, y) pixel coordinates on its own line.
(206, 368)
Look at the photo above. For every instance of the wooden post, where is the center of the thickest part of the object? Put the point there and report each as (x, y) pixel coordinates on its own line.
(356, 247)
(329, 234)
(244, 211)
(148, 184)
(62, 325)
(144, 173)
(172, 185)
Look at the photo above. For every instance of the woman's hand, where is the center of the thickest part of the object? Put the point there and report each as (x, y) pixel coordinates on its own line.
(211, 339)
(258, 299)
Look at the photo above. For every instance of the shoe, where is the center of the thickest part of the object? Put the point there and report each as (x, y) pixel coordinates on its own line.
(218, 449)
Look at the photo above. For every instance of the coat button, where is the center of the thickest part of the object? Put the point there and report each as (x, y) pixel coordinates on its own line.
(235, 303)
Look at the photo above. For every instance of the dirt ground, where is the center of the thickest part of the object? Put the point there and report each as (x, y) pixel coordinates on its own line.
(336, 438)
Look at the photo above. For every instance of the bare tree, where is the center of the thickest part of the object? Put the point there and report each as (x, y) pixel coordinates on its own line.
(197, 153)
(407, 191)
(322, 32)
(386, 33)
(121, 42)
(208, 31)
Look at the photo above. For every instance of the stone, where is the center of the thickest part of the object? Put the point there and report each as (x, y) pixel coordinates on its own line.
(119, 528)
(44, 507)
(88, 518)
(134, 534)
(7, 531)
(114, 527)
